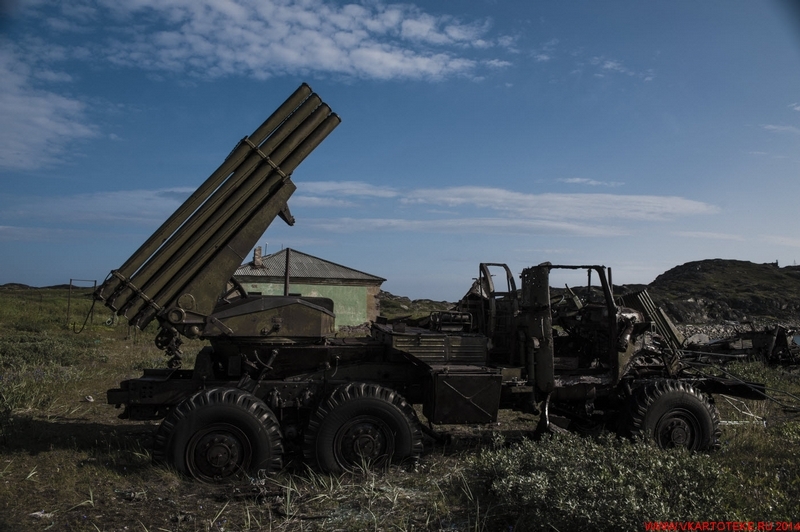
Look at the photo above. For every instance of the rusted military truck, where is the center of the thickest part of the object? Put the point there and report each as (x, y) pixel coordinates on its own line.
(274, 379)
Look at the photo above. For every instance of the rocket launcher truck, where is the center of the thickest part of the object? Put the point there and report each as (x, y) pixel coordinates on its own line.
(274, 379)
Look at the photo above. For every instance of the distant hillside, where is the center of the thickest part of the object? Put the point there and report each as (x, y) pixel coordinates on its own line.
(20, 286)
(393, 306)
(14, 286)
(716, 290)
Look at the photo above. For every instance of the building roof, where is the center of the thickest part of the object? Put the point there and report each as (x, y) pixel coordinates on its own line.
(303, 266)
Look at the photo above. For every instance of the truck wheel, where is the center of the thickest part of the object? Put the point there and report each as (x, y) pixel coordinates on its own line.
(674, 414)
(361, 426)
(219, 434)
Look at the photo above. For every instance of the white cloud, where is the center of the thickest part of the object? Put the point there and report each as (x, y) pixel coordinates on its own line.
(347, 188)
(38, 125)
(10, 233)
(616, 66)
(497, 63)
(794, 106)
(590, 182)
(564, 206)
(317, 202)
(213, 38)
(545, 52)
(472, 225)
(481, 210)
(706, 235)
(512, 203)
(609, 66)
(139, 207)
(782, 129)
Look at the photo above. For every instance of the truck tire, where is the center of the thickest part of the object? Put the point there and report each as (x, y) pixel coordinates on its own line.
(220, 434)
(362, 426)
(672, 414)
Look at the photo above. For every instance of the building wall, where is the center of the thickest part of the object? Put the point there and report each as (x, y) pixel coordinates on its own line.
(353, 305)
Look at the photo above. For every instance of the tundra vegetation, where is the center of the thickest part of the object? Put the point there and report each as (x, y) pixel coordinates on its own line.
(68, 463)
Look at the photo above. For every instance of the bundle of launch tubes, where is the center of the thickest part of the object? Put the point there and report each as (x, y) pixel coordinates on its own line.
(183, 267)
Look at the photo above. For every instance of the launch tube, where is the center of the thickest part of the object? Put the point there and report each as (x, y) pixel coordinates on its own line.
(181, 282)
(191, 204)
(191, 256)
(166, 255)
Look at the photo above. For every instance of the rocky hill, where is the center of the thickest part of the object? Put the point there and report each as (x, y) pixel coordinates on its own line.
(717, 290)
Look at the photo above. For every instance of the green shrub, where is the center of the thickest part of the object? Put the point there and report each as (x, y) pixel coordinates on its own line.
(26, 349)
(36, 367)
(566, 482)
(27, 387)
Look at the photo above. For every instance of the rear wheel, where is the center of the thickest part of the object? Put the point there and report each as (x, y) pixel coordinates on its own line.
(220, 434)
(362, 426)
(674, 414)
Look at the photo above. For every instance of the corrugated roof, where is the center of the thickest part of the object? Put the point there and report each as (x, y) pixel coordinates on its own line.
(302, 266)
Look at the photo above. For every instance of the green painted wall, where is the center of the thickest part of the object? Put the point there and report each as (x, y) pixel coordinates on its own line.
(350, 303)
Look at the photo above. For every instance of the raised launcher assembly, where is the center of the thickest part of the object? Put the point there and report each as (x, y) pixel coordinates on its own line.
(178, 274)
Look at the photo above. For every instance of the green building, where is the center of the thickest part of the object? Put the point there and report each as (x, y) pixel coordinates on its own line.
(354, 293)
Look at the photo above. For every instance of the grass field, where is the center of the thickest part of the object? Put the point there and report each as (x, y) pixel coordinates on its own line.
(68, 463)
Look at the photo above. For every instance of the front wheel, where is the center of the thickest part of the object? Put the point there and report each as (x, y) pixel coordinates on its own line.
(672, 414)
(362, 426)
(219, 434)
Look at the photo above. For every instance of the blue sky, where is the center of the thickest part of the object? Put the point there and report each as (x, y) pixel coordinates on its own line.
(639, 135)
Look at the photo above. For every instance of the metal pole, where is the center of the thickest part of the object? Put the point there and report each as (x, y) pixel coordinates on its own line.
(91, 309)
(286, 274)
(69, 300)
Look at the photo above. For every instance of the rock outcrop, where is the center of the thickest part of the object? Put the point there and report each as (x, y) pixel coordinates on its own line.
(718, 291)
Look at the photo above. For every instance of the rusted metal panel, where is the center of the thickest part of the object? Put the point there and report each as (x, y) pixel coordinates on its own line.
(463, 394)
(432, 347)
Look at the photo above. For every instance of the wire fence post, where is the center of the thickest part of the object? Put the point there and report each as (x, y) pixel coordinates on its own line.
(69, 297)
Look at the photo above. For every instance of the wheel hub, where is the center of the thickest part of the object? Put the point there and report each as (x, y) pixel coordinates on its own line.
(363, 441)
(678, 429)
(678, 433)
(216, 453)
(219, 450)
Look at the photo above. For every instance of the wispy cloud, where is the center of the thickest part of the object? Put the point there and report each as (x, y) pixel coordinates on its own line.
(567, 206)
(472, 225)
(348, 188)
(545, 52)
(794, 106)
(590, 182)
(38, 123)
(209, 38)
(782, 129)
(212, 39)
(318, 202)
(468, 209)
(336, 193)
(706, 235)
(500, 211)
(603, 67)
(139, 207)
(9, 233)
